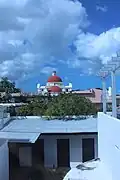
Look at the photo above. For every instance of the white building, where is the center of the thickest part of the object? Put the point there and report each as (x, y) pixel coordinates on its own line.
(54, 86)
(57, 143)
(52, 143)
(107, 166)
(109, 143)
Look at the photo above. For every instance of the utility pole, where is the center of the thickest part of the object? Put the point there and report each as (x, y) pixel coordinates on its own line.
(103, 75)
(114, 107)
(111, 67)
(104, 100)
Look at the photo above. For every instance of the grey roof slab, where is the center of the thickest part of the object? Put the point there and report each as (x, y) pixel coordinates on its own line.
(38, 125)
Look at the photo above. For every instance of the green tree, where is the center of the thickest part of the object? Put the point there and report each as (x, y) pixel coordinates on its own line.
(25, 110)
(11, 110)
(8, 86)
(7, 97)
(70, 104)
(36, 107)
(39, 105)
(62, 105)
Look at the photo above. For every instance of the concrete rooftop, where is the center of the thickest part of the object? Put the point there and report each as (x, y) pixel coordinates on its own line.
(29, 129)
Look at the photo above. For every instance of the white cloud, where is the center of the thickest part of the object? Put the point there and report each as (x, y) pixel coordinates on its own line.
(48, 70)
(94, 50)
(101, 8)
(49, 26)
(9, 13)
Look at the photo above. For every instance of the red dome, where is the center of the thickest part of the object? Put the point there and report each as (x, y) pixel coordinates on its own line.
(54, 79)
(55, 89)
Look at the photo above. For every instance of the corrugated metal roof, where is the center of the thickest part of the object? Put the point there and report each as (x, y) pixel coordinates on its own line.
(36, 125)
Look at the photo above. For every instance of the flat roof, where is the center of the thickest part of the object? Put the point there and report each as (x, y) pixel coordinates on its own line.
(38, 125)
(19, 137)
(29, 129)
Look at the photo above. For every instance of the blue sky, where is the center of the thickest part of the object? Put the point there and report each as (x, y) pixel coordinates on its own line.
(75, 38)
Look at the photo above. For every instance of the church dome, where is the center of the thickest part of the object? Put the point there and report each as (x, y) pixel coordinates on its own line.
(54, 78)
(55, 89)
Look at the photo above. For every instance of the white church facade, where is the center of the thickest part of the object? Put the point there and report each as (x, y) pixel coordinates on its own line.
(54, 86)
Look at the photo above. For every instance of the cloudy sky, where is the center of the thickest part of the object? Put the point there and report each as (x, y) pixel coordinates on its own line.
(76, 38)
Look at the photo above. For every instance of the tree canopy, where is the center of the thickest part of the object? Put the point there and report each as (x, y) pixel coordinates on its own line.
(8, 86)
(62, 105)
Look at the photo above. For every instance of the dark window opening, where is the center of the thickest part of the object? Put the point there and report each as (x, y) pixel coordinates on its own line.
(88, 151)
(63, 154)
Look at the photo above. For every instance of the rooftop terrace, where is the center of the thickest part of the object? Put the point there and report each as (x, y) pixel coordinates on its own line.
(29, 129)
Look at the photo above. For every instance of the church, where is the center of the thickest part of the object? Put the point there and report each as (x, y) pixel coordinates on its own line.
(54, 86)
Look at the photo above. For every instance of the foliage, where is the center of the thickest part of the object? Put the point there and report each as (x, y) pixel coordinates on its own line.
(36, 107)
(7, 97)
(8, 86)
(25, 110)
(11, 110)
(62, 105)
(39, 105)
(70, 104)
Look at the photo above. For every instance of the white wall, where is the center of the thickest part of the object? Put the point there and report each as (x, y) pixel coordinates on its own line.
(4, 160)
(50, 148)
(109, 143)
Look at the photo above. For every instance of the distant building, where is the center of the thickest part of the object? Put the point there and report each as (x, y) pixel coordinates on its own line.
(54, 86)
(95, 95)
